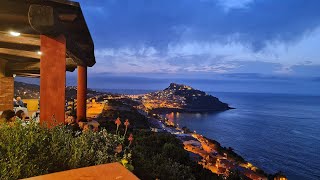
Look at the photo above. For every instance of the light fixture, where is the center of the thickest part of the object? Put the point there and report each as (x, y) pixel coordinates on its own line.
(14, 75)
(14, 33)
(39, 53)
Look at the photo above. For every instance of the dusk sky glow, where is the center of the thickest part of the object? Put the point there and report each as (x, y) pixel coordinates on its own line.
(205, 36)
(146, 44)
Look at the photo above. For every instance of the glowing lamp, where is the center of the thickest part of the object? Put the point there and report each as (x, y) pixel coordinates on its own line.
(15, 34)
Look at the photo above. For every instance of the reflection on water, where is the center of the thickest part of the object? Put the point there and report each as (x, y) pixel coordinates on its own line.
(171, 116)
(275, 132)
(198, 115)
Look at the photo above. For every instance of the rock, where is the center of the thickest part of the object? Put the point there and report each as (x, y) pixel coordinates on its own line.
(185, 98)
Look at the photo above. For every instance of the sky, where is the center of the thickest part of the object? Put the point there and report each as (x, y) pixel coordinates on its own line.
(149, 41)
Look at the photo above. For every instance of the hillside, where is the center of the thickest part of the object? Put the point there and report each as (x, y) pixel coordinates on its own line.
(179, 97)
(32, 91)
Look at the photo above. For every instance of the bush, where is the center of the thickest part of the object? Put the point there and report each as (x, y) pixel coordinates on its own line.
(33, 150)
(161, 155)
(123, 111)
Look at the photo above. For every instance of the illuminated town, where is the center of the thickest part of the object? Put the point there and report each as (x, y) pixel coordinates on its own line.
(165, 99)
(198, 89)
(210, 152)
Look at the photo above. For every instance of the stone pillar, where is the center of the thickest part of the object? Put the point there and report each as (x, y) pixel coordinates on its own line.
(2, 68)
(82, 92)
(52, 80)
(6, 88)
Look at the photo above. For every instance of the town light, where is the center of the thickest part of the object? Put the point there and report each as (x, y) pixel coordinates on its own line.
(15, 34)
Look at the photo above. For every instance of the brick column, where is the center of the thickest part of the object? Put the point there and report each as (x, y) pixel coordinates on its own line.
(52, 79)
(82, 93)
(6, 88)
(6, 93)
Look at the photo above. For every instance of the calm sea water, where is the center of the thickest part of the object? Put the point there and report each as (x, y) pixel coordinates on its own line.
(273, 131)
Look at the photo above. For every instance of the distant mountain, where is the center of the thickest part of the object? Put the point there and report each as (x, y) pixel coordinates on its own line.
(183, 98)
(32, 91)
(26, 91)
(196, 99)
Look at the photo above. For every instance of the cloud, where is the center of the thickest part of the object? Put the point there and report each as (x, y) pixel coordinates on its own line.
(159, 23)
(230, 56)
(140, 52)
(306, 70)
(234, 4)
(131, 60)
(209, 36)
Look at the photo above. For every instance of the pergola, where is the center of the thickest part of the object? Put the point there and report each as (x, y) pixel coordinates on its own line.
(44, 38)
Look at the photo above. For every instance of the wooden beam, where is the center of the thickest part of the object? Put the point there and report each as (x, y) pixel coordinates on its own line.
(7, 18)
(22, 39)
(75, 52)
(70, 62)
(67, 17)
(17, 59)
(15, 68)
(19, 46)
(28, 75)
(25, 73)
(50, 18)
(29, 71)
(24, 66)
(82, 54)
(20, 53)
(44, 20)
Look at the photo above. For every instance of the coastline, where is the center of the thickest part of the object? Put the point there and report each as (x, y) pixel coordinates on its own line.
(187, 110)
(209, 152)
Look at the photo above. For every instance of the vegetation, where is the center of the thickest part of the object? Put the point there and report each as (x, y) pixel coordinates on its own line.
(32, 150)
(123, 111)
(154, 155)
(32, 91)
(161, 155)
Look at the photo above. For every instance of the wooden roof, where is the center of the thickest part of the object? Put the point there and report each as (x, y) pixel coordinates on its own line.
(33, 18)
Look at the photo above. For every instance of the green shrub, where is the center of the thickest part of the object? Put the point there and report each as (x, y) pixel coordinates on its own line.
(161, 155)
(32, 150)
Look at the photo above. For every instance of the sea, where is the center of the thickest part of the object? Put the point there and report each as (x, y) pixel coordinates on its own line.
(275, 132)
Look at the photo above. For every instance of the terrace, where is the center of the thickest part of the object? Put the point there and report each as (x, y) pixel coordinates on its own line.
(44, 39)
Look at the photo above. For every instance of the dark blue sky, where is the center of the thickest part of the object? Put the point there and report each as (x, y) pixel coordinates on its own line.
(205, 36)
(204, 40)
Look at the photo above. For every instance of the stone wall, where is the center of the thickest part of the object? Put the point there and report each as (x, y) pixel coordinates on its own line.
(6, 93)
